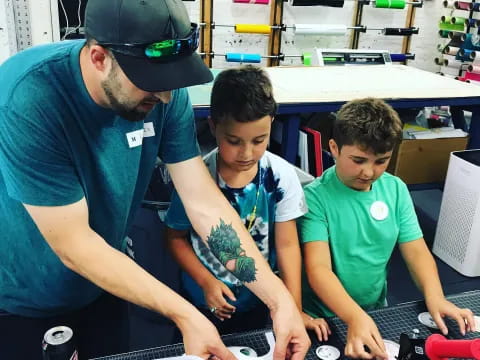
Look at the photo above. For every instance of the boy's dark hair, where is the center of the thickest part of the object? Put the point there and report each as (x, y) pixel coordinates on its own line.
(243, 94)
(368, 123)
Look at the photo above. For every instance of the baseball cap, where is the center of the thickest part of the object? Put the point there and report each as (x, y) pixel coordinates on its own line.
(117, 23)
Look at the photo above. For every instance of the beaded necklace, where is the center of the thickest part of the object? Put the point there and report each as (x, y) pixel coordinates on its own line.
(250, 217)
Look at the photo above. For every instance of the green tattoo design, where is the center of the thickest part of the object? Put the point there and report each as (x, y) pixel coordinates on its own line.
(225, 245)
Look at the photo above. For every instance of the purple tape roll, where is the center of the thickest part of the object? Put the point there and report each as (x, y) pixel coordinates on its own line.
(263, 2)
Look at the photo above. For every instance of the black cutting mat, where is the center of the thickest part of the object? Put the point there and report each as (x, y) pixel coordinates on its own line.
(391, 322)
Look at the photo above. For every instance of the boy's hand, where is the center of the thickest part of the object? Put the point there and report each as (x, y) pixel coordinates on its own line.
(362, 332)
(319, 325)
(440, 307)
(215, 291)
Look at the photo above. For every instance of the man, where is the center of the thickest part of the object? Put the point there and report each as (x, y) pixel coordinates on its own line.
(81, 125)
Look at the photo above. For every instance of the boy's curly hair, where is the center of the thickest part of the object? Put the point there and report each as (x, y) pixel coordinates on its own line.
(369, 123)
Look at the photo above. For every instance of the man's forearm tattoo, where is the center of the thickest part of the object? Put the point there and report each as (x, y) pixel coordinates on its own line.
(225, 245)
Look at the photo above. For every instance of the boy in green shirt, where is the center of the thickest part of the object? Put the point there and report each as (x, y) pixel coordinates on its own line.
(357, 214)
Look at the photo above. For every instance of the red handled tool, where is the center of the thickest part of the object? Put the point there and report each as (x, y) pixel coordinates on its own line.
(438, 347)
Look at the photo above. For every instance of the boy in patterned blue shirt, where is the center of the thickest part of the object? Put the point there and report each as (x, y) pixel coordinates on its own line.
(265, 191)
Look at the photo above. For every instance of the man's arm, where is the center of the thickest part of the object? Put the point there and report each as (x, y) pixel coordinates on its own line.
(67, 231)
(213, 288)
(423, 270)
(326, 285)
(217, 223)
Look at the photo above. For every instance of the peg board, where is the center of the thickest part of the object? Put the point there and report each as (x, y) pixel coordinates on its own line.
(8, 41)
(21, 13)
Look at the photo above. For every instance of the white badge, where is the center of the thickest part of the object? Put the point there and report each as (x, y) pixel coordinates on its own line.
(148, 129)
(135, 138)
(379, 210)
(327, 352)
(426, 319)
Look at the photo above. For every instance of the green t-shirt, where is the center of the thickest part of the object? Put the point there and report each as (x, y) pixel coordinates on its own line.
(362, 229)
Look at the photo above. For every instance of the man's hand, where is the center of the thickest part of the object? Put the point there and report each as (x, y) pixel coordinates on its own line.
(215, 291)
(291, 339)
(439, 307)
(201, 338)
(362, 333)
(319, 325)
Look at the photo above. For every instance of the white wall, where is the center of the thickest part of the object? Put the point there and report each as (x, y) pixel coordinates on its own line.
(226, 40)
(424, 45)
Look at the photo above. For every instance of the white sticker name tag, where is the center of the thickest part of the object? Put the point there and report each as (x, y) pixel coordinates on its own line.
(135, 138)
(148, 129)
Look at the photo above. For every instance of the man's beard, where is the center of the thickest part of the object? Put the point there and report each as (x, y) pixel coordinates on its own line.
(112, 86)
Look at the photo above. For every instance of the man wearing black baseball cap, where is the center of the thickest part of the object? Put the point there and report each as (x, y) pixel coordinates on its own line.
(81, 126)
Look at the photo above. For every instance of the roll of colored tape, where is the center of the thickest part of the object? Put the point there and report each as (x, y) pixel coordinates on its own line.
(474, 69)
(253, 28)
(466, 54)
(451, 50)
(320, 29)
(449, 4)
(398, 57)
(462, 5)
(471, 22)
(453, 64)
(390, 4)
(443, 33)
(402, 57)
(246, 58)
(263, 2)
(457, 20)
(307, 58)
(400, 31)
(446, 19)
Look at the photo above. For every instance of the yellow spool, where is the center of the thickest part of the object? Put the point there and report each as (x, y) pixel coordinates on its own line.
(252, 28)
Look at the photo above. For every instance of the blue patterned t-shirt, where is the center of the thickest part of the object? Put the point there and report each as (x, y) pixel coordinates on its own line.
(280, 199)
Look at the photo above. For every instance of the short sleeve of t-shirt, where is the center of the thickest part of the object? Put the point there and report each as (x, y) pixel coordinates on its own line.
(179, 139)
(409, 226)
(176, 217)
(313, 226)
(34, 155)
(292, 204)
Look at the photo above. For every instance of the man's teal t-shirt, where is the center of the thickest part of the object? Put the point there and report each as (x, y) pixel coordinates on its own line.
(361, 229)
(58, 146)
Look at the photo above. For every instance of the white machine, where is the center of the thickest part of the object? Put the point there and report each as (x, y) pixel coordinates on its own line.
(457, 239)
(353, 57)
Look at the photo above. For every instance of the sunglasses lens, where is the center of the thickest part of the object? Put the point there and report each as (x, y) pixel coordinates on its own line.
(162, 48)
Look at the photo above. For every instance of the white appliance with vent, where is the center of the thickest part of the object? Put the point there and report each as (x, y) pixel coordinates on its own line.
(457, 239)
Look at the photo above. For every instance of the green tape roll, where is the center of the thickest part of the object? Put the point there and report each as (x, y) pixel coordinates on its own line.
(451, 27)
(446, 19)
(390, 4)
(307, 58)
(443, 33)
(458, 20)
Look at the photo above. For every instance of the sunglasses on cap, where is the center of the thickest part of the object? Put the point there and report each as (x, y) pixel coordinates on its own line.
(164, 50)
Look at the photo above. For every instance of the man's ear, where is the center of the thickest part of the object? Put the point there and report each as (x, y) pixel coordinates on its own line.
(333, 148)
(100, 57)
(211, 125)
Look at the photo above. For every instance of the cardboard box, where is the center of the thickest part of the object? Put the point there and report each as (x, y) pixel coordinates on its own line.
(424, 160)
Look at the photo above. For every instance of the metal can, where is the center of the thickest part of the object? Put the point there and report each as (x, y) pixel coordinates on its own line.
(58, 344)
